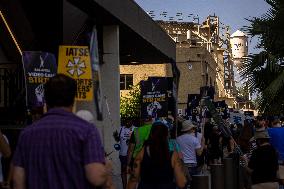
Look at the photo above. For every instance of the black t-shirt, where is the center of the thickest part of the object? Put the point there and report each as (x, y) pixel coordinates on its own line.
(154, 176)
(264, 164)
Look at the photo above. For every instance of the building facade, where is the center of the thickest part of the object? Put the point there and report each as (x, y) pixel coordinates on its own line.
(202, 56)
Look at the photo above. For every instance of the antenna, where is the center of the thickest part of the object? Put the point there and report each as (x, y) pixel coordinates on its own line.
(166, 16)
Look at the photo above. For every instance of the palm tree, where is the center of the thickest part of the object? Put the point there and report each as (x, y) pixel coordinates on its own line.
(265, 70)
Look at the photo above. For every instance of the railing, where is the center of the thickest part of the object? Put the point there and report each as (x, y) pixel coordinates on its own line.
(12, 94)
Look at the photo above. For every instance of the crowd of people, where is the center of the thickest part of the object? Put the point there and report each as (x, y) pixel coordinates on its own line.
(62, 150)
(258, 145)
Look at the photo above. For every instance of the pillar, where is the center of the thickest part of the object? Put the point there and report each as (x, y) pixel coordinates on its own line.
(110, 97)
(230, 172)
(110, 85)
(200, 182)
(217, 176)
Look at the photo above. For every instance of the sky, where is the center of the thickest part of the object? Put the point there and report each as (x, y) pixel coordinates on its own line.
(230, 12)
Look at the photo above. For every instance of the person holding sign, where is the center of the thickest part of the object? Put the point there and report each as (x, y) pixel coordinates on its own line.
(61, 150)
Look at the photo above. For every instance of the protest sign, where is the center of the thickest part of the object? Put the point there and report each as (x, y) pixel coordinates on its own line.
(74, 61)
(154, 97)
(38, 68)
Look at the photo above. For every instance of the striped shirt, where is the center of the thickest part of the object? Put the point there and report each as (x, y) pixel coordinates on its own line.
(54, 150)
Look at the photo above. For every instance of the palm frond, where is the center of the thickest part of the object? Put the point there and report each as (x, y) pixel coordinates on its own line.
(263, 71)
(276, 86)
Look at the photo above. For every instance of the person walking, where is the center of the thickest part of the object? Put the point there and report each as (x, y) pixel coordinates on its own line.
(276, 133)
(190, 146)
(263, 164)
(259, 126)
(123, 137)
(137, 139)
(61, 150)
(215, 146)
(155, 166)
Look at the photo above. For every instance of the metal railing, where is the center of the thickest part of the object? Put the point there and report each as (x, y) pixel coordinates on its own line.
(12, 94)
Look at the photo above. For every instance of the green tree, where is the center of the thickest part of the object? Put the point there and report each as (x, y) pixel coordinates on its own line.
(256, 101)
(130, 104)
(264, 70)
(243, 92)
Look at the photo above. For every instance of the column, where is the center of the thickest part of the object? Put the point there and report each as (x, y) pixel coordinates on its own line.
(110, 81)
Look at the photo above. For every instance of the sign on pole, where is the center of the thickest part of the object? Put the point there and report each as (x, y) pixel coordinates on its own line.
(38, 67)
(154, 97)
(74, 61)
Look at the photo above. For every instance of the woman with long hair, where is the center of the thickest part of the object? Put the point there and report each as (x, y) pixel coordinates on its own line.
(156, 167)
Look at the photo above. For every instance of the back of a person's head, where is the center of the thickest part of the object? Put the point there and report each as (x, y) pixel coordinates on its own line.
(246, 134)
(159, 129)
(60, 91)
(249, 122)
(260, 118)
(276, 120)
(147, 120)
(158, 142)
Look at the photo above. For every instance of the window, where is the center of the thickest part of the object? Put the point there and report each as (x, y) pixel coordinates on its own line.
(126, 81)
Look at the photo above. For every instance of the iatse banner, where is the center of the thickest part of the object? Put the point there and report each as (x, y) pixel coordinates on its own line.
(74, 61)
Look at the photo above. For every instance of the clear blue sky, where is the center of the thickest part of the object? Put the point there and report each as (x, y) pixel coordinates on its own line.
(230, 12)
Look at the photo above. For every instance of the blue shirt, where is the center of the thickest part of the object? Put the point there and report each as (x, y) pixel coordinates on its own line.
(277, 140)
(173, 145)
(54, 150)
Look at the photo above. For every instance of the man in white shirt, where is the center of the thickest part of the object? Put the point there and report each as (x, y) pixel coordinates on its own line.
(123, 137)
(190, 146)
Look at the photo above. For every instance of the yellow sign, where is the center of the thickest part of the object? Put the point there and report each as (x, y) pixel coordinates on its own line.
(74, 61)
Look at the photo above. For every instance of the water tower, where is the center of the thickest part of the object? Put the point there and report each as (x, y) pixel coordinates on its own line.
(239, 46)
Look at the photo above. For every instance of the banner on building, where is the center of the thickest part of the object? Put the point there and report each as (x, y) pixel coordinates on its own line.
(38, 67)
(74, 61)
(154, 97)
(95, 63)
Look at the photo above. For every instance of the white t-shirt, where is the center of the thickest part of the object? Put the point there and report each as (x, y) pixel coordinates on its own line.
(124, 137)
(188, 144)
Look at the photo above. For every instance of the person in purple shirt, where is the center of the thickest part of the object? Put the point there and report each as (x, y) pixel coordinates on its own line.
(61, 150)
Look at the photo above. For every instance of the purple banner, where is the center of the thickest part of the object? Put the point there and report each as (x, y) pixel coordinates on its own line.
(38, 67)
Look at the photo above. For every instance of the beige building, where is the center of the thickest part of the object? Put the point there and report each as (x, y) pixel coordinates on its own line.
(202, 57)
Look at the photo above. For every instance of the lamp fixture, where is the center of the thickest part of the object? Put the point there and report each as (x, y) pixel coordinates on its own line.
(134, 62)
